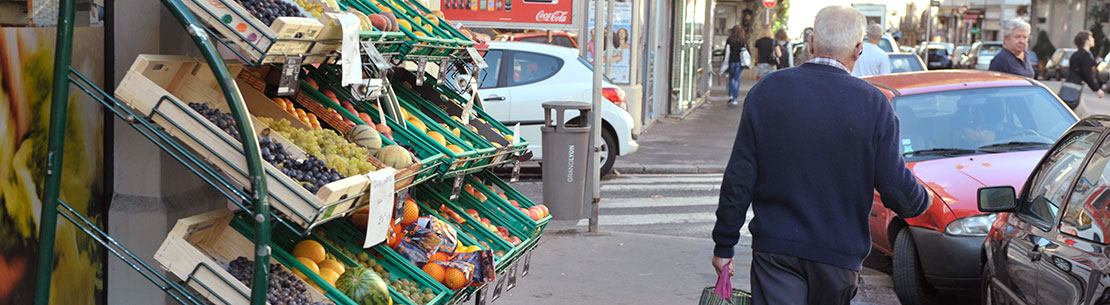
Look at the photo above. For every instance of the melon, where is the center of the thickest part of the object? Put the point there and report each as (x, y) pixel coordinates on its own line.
(365, 136)
(364, 286)
(394, 156)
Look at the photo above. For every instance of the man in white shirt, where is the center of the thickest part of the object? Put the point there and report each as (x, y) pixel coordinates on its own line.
(874, 60)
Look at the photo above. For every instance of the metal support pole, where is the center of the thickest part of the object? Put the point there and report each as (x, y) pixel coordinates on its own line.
(593, 172)
(584, 29)
(259, 284)
(48, 228)
(609, 35)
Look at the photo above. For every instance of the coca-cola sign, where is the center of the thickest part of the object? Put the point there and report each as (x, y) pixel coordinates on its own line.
(552, 17)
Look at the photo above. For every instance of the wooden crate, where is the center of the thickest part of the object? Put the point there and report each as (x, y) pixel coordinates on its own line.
(208, 239)
(252, 37)
(152, 77)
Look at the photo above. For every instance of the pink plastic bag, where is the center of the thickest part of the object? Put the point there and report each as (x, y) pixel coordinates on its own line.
(724, 283)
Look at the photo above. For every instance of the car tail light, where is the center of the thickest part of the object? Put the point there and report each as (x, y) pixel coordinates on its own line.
(615, 95)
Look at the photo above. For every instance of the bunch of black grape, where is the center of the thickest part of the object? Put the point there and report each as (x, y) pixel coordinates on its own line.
(269, 10)
(311, 171)
(285, 288)
(222, 120)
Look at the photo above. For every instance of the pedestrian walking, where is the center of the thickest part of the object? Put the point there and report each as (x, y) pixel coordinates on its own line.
(781, 39)
(737, 46)
(1082, 70)
(813, 145)
(1013, 58)
(874, 60)
(767, 54)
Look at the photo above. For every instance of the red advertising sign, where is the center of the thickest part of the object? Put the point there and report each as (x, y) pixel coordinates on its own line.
(509, 11)
(769, 3)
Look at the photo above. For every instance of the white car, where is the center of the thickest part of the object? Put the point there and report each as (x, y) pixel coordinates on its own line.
(522, 76)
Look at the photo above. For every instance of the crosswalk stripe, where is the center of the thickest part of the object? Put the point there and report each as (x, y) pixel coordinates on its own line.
(646, 219)
(688, 180)
(616, 203)
(662, 187)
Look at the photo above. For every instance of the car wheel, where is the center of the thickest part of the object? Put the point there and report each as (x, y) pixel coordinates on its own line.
(909, 280)
(608, 151)
(986, 292)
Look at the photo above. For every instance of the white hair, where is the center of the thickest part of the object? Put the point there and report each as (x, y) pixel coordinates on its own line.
(875, 31)
(837, 30)
(1012, 24)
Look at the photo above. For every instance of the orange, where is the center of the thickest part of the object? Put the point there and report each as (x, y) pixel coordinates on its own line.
(439, 256)
(435, 271)
(310, 249)
(455, 148)
(395, 238)
(334, 265)
(412, 212)
(438, 137)
(307, 263)
(502, 195)
(455, 279)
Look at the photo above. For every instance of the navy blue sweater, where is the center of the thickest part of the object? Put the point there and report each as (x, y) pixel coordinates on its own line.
(814, 144)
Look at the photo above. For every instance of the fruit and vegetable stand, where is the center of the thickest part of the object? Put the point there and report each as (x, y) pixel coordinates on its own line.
(349, 178)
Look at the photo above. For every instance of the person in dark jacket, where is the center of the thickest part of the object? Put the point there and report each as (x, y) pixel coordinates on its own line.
(781, 39)
(813, 145)
(766, 55)
(1083, 63)
(736, 44)
(1013, 58)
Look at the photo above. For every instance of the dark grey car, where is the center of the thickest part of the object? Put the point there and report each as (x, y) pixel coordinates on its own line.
(1049, 245)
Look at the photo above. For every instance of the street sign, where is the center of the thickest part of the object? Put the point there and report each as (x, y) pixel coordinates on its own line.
(769, 3)
(975, 31)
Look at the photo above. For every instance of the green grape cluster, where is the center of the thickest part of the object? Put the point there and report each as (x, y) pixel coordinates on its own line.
(346, 157)
(313, 8)
(412, 291)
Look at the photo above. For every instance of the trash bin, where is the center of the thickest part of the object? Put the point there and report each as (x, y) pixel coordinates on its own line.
(565, 153)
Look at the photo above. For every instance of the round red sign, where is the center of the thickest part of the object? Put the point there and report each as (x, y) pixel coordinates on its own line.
(769, 3)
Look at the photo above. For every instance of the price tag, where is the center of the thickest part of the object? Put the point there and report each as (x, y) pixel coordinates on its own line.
(527, 265)
(290, 72)
(511, 274)
(465, 117)
(478, 60)
(497, 289)
(399, 205)
(350, 62)
(420, 67)
(376, 58)
(442, 72)
(457, 187)
(381, 200)
(482, 297)
(516, 172)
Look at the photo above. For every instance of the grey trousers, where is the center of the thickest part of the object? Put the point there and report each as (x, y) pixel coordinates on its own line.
(786, 280)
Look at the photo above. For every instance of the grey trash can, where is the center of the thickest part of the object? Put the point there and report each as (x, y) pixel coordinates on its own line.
(565, 152)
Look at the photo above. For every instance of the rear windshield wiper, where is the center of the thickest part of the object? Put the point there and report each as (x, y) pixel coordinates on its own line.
(940, 151)
(1014, 144)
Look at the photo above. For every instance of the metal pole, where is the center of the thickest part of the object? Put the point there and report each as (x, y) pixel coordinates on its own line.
(584, 29)
(259, 283)
(48, 228)
(594, 170)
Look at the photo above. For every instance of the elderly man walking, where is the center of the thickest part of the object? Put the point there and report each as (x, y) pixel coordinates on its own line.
(874, 60)
(1013, 58)
(813, 145)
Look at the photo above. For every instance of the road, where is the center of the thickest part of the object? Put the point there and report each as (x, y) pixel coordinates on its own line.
(1090, 104)
(684, 206)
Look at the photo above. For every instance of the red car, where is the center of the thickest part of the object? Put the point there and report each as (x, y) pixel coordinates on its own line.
(960, 130)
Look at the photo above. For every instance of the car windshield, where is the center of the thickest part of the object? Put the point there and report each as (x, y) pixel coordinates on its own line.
(938, 52)
(885, 45)
(990, 49)
(981, 120)
(905, 63)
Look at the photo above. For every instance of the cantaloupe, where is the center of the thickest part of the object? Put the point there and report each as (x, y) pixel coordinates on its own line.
(394, 156)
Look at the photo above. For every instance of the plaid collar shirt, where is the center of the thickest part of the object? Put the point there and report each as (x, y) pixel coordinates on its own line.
(828, 62)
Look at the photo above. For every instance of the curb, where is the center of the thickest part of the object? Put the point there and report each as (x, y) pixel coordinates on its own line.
(637, 168)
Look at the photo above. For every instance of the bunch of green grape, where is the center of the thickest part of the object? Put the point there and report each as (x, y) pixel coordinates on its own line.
(313, 8)
(346, 157)
(412, 291)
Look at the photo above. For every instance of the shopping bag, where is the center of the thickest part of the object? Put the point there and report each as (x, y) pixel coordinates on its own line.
(745, 58)
(724, 63)
(1070, 94)
(723, 294)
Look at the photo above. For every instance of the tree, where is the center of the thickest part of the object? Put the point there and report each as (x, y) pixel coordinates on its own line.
(909, 25)
(1097, 16)
(1043, 47)
(782, 15)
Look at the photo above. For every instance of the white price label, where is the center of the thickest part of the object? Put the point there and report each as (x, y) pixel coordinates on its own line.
(350, 61)
(516, 134)
(382, 190)
(478, 60)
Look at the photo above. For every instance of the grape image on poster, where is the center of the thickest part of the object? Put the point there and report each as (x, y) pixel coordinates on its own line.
(619, 48)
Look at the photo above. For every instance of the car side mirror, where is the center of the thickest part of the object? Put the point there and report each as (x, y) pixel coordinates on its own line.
(997, 199)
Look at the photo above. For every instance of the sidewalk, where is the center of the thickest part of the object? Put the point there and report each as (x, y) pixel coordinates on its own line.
(699, 143)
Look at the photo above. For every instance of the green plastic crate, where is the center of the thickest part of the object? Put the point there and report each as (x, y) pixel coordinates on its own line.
(535, 227)
(435, 198)
(433, 45)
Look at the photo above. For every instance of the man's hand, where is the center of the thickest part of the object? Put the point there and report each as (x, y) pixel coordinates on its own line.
(1101, 93)
(719, 263)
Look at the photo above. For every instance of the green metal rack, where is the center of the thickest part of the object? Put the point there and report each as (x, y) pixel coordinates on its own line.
(52, 206)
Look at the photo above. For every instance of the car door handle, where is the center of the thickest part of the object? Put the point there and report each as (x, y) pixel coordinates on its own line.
(494, 98)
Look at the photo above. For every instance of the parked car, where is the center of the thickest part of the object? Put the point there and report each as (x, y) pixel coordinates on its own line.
(905, 62)
(1048, 245)
(888, 44)
(523, 75)
(981, 54)
(936, 56)
(559, 38)
(960, 130)
(959, 53)
(1057, 65)
(1103, 70)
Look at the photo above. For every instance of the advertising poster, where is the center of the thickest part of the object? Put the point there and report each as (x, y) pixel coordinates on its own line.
(620, 48)
(26, 72)
(542, 12)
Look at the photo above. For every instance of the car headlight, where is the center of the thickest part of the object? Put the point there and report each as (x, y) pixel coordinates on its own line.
(977, 225)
